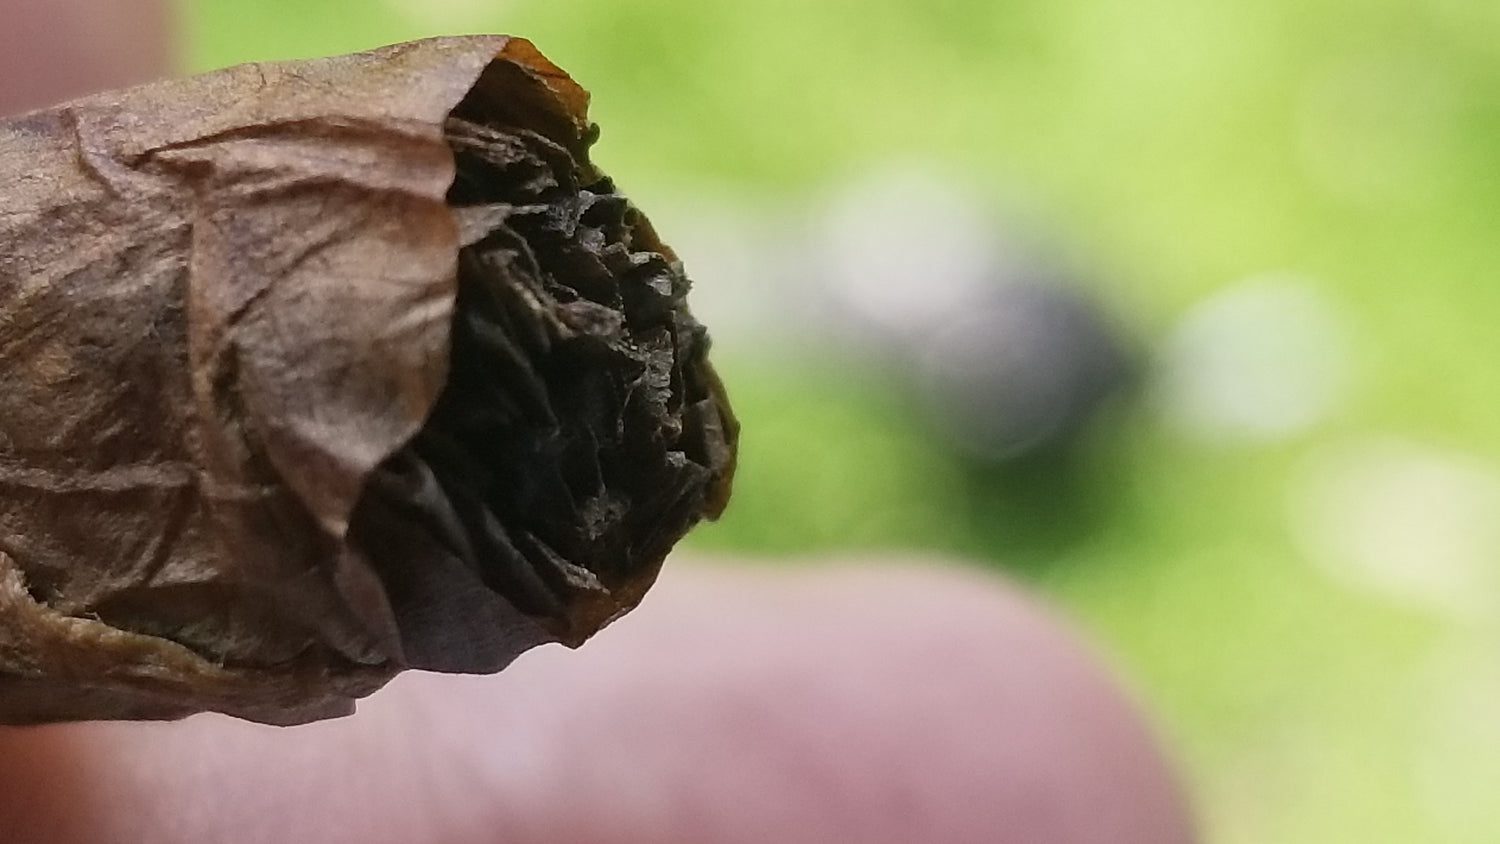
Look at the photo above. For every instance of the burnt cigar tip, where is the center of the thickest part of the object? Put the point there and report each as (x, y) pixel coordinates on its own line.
(581, 431)
(316, 371)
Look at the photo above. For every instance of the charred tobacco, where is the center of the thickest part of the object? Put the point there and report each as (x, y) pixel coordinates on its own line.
(580, 432)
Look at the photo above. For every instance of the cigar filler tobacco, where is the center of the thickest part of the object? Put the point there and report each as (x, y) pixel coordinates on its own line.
(313, 372)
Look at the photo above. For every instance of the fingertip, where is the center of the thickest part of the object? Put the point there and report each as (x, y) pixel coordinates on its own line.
(59, 49)
(872, 701)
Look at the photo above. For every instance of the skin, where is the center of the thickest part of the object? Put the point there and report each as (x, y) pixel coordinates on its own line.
(865, 700)
(53, 50)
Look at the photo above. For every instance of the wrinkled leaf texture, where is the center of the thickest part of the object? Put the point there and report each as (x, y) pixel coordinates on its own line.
(318, 371)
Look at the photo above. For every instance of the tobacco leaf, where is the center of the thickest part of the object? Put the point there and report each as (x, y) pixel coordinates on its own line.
(317, 371)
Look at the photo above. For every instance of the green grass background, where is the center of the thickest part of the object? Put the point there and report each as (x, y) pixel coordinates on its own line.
(1183, 145)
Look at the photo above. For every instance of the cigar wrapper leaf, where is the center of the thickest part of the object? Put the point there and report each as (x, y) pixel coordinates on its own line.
(321, 370)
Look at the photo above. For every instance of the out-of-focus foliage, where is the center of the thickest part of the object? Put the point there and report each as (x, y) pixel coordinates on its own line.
(1291, 546)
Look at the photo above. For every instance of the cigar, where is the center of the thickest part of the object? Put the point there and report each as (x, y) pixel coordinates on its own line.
(317, 371)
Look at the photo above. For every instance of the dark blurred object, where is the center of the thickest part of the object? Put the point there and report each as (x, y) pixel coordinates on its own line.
(1019, 371)
(1005, 359)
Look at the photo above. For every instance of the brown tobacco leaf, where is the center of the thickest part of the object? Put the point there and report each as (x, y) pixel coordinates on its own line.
(321, 370)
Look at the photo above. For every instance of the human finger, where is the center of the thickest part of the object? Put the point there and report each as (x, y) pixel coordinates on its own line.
(52, 50)
(872, 703)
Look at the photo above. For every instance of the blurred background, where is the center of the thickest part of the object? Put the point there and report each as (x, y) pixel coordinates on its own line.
(1181, 312)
